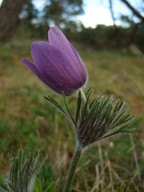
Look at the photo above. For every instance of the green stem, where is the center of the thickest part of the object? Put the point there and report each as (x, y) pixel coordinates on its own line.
(72, 169)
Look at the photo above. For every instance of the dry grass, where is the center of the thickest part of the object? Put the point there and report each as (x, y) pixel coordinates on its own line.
(27, 121)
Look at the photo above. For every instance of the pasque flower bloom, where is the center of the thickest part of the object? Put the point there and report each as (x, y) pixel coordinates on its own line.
(57, 64)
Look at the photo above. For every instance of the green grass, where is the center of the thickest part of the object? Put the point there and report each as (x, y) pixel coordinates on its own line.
(29, 122)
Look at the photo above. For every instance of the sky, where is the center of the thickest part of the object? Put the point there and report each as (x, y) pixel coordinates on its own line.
(97, 11)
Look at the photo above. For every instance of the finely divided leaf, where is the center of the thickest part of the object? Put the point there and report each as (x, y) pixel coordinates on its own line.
(56, 104)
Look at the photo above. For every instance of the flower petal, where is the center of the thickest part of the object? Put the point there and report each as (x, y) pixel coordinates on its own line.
(30, 65)
(82, 67)
(58, 40)
(55, 69)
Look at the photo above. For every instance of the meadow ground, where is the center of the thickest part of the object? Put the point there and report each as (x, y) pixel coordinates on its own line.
(29, 122)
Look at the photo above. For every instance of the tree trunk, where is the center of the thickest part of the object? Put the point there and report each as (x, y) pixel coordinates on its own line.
(116, 32)
(9, 12)
(132, 35)
(135, 12)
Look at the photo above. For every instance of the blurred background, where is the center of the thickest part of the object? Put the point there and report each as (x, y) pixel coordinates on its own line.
(109, 37)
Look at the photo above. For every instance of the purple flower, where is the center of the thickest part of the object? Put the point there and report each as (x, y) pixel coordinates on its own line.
(57, 64)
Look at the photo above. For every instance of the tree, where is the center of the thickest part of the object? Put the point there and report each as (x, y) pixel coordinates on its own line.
(134, 26)
(135, 12)
(29, 13)
(9, 12)
(116, 33)
(58, 12)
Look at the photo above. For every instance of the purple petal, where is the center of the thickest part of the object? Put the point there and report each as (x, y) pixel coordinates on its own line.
(47, 57)
(58, 40)
(30, 65)
(82, 67)
(55, 69)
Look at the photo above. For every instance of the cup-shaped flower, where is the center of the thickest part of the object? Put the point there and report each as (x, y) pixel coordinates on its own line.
(57, 64)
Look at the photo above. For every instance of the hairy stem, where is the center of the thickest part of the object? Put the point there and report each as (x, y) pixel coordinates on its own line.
(83, 96)
(72, 169)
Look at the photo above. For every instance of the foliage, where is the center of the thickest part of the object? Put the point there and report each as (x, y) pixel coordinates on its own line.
(100, 38)
(45, 182)
(29, 13)
(35, 23)
(28, 175)
(54, 11)
(103, 37)
(22, 173)
(98, 119)
(58, 12)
